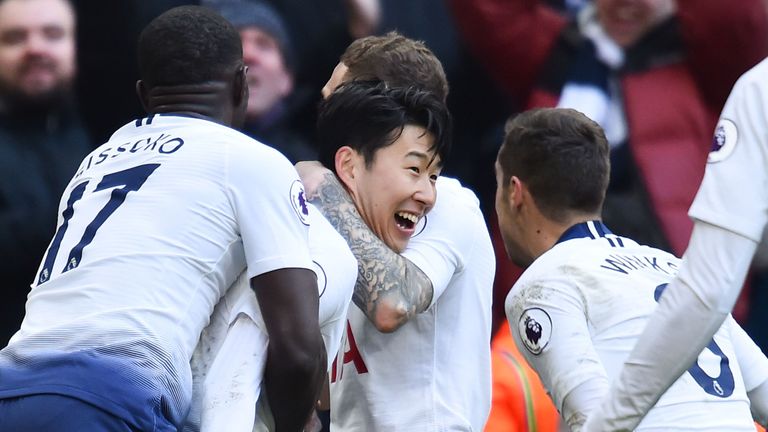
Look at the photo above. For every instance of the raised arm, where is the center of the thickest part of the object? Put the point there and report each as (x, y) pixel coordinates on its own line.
(296, 358)
(389, 288)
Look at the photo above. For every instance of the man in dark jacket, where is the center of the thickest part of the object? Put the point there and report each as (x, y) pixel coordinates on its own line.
(268, 53)
(41, 140)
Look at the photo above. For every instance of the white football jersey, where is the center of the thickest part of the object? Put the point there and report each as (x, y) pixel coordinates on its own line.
(738, 161)
(578, 310)
(232, 350)
(433, 373)
(154, 227)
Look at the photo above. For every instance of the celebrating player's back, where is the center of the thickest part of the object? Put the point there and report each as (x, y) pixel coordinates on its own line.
(586, 294)
(153, 228)
(578, 310)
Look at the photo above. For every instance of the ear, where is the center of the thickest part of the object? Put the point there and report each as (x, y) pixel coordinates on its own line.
(143, 93)
(515, 192)
(345, 163)
(240, 86)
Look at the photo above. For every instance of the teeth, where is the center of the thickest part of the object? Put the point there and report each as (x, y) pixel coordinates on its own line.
(410, 216)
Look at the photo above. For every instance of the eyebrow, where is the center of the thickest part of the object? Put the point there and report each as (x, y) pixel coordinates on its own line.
(418, 154)
(425, 157)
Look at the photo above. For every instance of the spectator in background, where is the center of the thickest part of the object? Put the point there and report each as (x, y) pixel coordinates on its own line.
(320, 30)
(650, 72)
(42, 140)
(268, 53)
(653, 74)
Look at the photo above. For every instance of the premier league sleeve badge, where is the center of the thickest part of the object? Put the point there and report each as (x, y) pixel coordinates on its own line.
(535, 329)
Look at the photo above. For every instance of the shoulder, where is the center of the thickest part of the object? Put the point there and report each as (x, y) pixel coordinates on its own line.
(754, 80)
(750, 92)
(457, 208)
(452, 191)
(548, 277)
(326, 242)
(252, 158)
(454, 229)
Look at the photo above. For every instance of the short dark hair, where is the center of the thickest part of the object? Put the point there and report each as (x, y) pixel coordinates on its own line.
(396, 60)
(188, 45)
(563, 157)
(370, 115)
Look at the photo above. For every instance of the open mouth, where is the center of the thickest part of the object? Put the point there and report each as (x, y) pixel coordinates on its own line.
(406, 221)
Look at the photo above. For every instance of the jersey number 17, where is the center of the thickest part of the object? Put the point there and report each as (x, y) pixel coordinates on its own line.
(124, 181)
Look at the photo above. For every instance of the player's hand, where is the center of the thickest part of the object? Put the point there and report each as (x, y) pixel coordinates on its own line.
(312, 174)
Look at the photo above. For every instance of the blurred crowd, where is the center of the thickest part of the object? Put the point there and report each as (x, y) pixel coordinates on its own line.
(653, 73)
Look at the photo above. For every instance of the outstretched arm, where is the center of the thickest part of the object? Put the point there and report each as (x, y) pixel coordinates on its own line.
(389, 289)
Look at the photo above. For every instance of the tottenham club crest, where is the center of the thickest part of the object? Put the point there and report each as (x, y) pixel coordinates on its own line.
(299, 202)
(535, 328)
(724, 141)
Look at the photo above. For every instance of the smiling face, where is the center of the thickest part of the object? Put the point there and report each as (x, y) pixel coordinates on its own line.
(397, 188)
(37, 47)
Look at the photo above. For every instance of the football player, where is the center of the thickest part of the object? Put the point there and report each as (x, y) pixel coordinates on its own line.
(587, 294)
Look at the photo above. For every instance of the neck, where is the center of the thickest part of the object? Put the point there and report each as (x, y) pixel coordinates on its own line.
(545, 232)
(207, 100)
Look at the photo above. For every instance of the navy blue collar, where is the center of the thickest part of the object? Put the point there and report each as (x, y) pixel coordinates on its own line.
(592, 229)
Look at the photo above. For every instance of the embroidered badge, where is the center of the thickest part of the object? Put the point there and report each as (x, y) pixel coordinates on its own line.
(724, 141)
(299, 202)
(535, 328)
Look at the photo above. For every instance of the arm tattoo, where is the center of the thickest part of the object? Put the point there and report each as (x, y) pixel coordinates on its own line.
(382, 273)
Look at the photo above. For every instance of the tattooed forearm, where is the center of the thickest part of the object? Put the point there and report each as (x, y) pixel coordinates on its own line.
(389, 288)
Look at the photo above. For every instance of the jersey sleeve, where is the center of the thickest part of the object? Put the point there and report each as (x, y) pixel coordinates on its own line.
(270, 207)
(549, 323)
(734, 192)
(449, 235)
